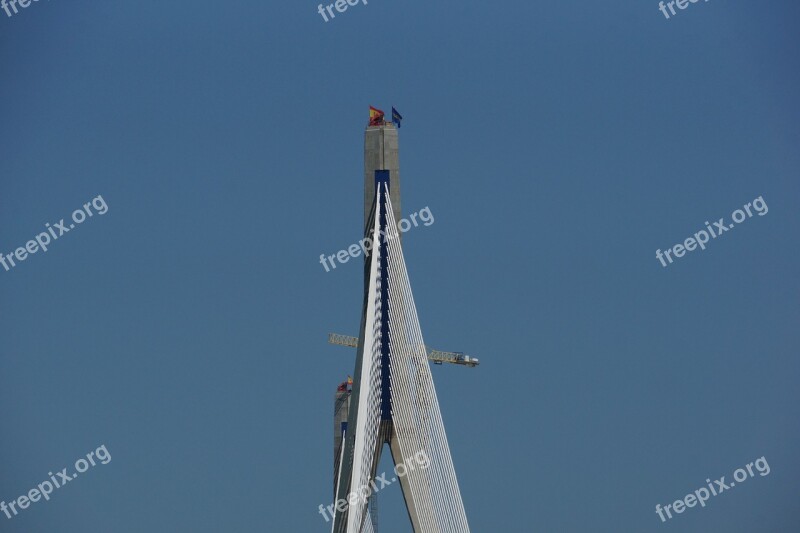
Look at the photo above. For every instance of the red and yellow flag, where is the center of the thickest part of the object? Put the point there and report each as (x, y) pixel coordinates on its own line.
(375, 116)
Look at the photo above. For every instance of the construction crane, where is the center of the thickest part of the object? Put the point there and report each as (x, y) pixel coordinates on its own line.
(437, 356)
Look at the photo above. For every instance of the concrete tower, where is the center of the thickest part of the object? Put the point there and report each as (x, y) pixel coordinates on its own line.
(393, 399)
(381, 152)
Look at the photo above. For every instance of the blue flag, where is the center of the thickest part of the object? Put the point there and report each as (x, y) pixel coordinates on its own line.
(396, 117)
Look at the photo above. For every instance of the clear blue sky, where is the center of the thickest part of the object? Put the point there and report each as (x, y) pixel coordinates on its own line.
(558, 145)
